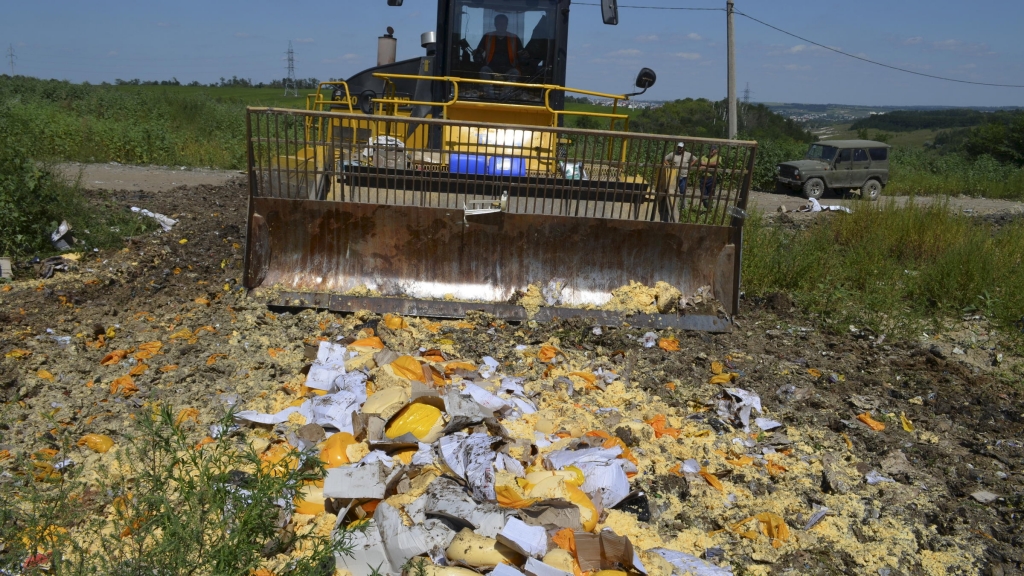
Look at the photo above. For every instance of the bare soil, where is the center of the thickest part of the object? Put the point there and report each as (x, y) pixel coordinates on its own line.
(960, 388)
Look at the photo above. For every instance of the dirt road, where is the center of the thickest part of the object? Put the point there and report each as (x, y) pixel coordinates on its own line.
(156, 179)
(902, 442)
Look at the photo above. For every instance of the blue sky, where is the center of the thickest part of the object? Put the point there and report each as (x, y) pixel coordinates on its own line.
(191, 40)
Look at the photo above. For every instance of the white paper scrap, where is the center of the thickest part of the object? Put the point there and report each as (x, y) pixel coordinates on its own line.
(605, 483)
(523, 538)
(689, 564)
(767, 423)
(505, 570)
(329, 364)
(484, 398)
(561, 458)
(535, 567)
(691, 466)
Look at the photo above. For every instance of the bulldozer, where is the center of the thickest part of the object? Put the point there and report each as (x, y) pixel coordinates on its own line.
(456, 181)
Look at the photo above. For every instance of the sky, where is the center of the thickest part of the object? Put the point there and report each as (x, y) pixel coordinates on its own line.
(103, 40)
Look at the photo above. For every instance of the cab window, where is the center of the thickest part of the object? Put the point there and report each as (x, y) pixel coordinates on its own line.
(879, 153)
(844, 155)
(860, 155)
(503, 41)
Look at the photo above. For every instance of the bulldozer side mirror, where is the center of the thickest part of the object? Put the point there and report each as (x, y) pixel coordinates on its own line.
(646, 78)
(609, 11)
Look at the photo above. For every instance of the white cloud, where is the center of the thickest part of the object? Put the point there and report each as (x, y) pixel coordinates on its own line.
(627, 53)
(687, 55)
(914, 40)
(796, 67)
(694, 36)
(969, 66)
(947, 44)
(796, 49)
(648, 38)
(304, 41)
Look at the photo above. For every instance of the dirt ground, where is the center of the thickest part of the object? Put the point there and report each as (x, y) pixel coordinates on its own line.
(959, 391)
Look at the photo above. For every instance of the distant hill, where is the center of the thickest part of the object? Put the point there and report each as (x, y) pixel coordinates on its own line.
(909, 120)
(820, 115)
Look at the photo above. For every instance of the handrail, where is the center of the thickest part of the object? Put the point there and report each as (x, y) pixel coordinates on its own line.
(547, 88)
(318, 100)
(388, 77)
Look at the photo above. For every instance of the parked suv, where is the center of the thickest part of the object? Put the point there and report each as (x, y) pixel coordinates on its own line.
(837, 165)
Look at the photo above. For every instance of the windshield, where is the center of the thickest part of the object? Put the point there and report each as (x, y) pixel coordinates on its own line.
(505, 41)
(821, 152)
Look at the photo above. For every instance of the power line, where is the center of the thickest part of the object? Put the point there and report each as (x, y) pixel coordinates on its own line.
(876, 63)
(820, 45)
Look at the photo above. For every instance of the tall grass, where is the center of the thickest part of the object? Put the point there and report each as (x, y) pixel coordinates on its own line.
(918, 171)
(63, 121)
(891, 269)
(165, 505)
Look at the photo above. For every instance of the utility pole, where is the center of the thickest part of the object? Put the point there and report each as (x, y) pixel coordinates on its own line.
(732, 70)
(289, 83)
(11, 57)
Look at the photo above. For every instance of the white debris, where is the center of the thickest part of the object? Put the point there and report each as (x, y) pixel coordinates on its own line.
(165, 222)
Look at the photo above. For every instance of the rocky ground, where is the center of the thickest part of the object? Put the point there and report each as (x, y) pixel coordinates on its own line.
(950, 455)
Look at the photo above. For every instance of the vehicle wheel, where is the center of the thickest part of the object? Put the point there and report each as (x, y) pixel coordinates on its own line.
(871, 190)
(814, 188)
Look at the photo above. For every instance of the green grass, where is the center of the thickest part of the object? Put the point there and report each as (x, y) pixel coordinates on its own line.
(41, 198)
(894, 270)
(273, 97)
(171, 507)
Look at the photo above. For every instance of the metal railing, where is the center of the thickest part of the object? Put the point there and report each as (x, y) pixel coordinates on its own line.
(498, 85)
(389, 160)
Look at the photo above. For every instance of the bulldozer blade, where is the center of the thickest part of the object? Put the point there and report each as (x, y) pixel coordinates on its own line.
(441, 253)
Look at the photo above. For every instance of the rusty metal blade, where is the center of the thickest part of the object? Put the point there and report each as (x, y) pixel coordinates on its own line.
(439, 253)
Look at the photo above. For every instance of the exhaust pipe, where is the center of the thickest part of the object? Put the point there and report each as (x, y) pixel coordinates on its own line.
(387, 47)
(428, 40)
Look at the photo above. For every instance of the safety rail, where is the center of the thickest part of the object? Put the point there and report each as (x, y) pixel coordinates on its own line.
(332, 156)
(547, 88)
(316, 101)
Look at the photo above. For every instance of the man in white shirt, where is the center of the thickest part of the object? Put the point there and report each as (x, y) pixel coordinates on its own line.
(677, 168)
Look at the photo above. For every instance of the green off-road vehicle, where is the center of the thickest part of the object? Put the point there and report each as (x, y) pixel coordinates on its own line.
(842, 166)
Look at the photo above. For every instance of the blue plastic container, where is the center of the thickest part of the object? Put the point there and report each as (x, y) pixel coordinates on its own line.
(467, 164)
(505, 166)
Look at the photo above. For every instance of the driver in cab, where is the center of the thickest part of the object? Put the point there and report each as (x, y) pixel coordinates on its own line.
(499, 52)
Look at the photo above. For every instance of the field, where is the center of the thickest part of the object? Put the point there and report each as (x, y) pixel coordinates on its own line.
(831, 328)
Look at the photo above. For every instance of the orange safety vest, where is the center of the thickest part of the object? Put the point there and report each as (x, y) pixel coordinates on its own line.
(492, 44)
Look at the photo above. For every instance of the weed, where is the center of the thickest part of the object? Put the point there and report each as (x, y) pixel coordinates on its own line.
(167, 505)
(891, 269)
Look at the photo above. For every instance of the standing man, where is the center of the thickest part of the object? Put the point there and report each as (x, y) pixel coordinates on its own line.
(677, 169)
(708, 167)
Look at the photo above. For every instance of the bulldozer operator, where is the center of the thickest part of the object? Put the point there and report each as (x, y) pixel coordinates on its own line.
(500, 52)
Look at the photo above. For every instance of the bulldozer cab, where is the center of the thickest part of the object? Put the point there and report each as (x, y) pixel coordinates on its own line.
(450, 183)
(517, 41)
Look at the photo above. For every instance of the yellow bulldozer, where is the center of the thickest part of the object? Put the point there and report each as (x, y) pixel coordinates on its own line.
(450, 182)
